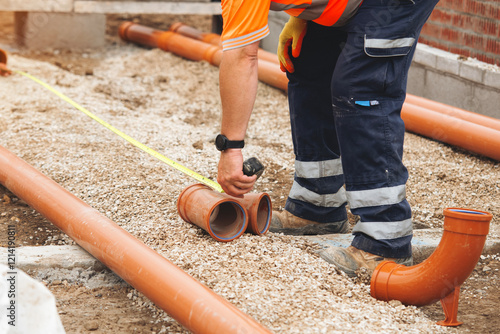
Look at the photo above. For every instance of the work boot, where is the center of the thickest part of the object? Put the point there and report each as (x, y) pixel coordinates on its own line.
(287, 223)
(351, 259)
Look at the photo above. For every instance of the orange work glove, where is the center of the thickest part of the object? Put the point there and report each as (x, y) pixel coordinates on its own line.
(293, 33)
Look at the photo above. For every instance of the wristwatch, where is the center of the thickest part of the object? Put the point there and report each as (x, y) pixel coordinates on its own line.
(222, 143)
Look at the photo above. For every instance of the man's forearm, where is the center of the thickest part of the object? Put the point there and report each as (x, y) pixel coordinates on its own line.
(238, 78)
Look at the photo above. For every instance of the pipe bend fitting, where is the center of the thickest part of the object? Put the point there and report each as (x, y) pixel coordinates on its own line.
(447, 268)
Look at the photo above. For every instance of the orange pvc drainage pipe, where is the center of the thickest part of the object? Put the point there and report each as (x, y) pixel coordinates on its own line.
(193, 49)
(191, 32)
(192, 304)
(259, 209)
(169, 41)
(441, 275)
(3, 57)
(218, 214)
(462, 114)
(455, 131)
(4, 71)
(225, 217)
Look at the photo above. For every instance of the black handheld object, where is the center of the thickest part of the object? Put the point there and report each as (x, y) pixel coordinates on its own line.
(252, 166)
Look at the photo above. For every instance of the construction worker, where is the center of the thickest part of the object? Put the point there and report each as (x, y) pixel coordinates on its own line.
(347, 63)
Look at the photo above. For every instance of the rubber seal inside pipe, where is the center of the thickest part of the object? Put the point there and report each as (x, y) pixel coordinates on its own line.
(264, 214)
(227, 220)
(468, 211)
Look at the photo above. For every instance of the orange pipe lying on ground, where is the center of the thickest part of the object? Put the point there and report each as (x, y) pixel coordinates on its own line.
(455, 131)
(214, 39)
(4, 71)
(218, 214)
(441, 275)
(189, 302)
(225, 217)
(188, 31)
(259, 209)
(3, 57)
(462, 114)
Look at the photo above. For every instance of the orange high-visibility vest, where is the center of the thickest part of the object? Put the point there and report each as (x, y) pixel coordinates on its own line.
(245, 22)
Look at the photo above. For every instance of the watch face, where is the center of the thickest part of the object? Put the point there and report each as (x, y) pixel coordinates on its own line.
(220, 142)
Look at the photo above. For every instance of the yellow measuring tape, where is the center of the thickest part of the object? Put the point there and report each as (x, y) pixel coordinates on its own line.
(131, 140)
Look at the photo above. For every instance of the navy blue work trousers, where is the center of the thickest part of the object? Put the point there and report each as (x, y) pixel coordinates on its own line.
(345, 99)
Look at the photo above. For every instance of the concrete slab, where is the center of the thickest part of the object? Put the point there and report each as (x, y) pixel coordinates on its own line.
(153, 7)
(40, 30)
(56, 264)
(36, 5)
(45, 257)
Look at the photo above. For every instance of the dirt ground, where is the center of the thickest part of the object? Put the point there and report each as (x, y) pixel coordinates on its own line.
(172, 105)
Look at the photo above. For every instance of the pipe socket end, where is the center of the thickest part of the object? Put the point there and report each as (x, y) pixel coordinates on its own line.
(176, 26)
(123, 30)
(218, 214)
(259, 209)
(467, 221)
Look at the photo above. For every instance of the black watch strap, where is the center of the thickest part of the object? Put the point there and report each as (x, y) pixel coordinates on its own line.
(222, 143)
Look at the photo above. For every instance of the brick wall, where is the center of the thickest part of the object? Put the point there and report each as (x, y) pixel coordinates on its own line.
(470, 28)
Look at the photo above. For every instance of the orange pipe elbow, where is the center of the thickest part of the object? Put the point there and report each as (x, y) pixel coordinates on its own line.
(186, 300)
(441, 275)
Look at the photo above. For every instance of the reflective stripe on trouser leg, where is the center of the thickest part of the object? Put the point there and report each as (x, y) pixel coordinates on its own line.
(317, 193)
(382, 199)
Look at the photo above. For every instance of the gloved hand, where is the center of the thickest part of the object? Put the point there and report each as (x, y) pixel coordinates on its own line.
(293, 33)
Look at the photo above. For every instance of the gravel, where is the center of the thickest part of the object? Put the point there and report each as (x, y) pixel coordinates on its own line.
(172, 106)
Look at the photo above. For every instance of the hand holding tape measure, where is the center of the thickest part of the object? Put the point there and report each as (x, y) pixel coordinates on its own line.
(253, 166)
